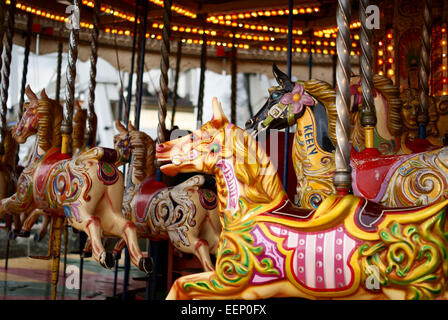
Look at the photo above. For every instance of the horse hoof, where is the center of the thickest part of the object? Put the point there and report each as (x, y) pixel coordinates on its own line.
(24, 234)
(117, 255)
(146, 264)
(12, 235)
(107, 260)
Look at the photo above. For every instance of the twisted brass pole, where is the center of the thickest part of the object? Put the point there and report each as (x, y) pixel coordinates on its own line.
(6, 68)
(202, 78)
(368, 115)
(164, 66)
(176, 80)
(233, 85)
(424, 71)
(59, 67)
(66, 127)
(91, 118)
(342, 177)
(25, 62)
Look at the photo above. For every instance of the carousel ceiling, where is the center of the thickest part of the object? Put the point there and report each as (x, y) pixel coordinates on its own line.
(258, 28)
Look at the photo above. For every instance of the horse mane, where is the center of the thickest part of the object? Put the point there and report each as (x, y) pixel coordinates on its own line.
(386, 87)
(143, 154)
(50, 119)
(79, 129)
(258, 177)
(323, 91)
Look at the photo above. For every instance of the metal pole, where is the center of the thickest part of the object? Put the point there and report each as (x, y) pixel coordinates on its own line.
(128, 110)
(164, 66)
(342, 178)
(368, 115)
(6, 68)
(131, 72)
(202, 78)
(161, 129)
(176, 80)
(424, 71)
(289, 70)
(91, 125)
(234, 83)
(141, 66)
(8, 219)
(249, 100)
(66, 127)
(25, 62)
(59, 68)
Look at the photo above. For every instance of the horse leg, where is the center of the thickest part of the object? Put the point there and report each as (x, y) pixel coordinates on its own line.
(87, 251)
(30, 220)
(198, 247)
(44, 228)
(119, 246)
(112, 222)
(93, 230)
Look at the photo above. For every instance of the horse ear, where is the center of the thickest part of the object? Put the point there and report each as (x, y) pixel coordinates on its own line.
(131, 126)
(77, 106)
(121, 129)
(219, 119)
(43, 94)
(282, 78)
(30, 94)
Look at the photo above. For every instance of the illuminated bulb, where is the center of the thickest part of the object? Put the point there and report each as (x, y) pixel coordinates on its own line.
(390, 72)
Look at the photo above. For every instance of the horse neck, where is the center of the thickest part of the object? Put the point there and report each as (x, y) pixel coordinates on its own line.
(248, 187)
(306, 149)
(49, 135)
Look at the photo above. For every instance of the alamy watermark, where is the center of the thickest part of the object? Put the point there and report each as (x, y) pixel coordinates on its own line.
(74, 19)
(72, 281)
(372, 17)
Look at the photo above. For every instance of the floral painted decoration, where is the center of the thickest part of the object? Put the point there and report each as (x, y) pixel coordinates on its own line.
(298, 98)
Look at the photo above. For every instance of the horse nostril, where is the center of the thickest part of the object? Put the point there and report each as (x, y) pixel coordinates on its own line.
(160, 147)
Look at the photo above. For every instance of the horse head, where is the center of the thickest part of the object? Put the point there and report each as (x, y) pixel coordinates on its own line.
(286, 103)
(28, 124)
(242, 169)
(122, 142)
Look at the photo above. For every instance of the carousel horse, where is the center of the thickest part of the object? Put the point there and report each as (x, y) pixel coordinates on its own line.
(187, 213)
(387, 106)
(396, 131)
(347, 248)
(394, 181)
(87, 188)
(78, 144)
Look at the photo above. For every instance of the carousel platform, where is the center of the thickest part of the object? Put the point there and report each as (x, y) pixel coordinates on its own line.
(30, 279)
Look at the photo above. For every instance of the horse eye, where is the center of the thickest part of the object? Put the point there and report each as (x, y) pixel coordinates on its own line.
(275, 95)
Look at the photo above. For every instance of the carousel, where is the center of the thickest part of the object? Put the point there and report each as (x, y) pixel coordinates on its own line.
(329, 183)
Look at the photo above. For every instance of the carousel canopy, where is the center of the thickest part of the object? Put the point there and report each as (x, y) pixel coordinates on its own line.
(257, 28)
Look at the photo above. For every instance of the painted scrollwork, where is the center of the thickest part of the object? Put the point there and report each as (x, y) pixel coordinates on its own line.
(411, 257)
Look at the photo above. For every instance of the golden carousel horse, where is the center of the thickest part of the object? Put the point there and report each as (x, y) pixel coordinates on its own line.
(393, 180)
(87, 188)
(186, 214)
(347, 248)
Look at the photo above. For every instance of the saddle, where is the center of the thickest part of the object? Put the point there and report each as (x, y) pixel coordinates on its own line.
(371, 169)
